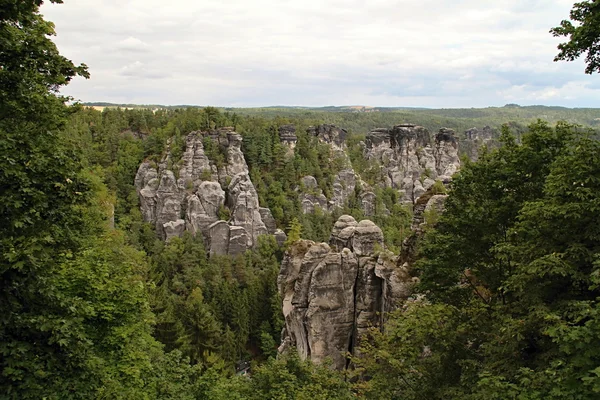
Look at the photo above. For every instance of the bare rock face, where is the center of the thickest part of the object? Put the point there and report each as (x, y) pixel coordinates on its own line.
(331, 134)
(195, 192)
(345, 181)
(344, 184)
(475, 138)
(219, 237)
(269, 221)
(203, 207)
(411, 160)
(174, 228)
(332, 293)
(312, 196)
(287, 135)
(280, 237)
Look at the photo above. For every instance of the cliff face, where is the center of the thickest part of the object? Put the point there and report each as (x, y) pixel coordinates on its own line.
(214, 198)
(208, 191)
(344, 182)
(411, 159)
(333, 292)
(475, 138)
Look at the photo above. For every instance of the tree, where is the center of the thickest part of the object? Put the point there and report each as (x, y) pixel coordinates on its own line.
(583, 32)
(510, 275)
(74, 317)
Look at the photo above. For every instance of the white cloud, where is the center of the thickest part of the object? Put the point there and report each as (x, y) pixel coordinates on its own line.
(133, 44)
(317, 52)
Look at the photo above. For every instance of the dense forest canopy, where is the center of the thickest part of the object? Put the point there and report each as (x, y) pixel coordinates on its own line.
(94, 305)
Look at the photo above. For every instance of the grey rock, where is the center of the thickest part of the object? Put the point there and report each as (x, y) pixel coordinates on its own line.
(475, 138)
(311, 259)
(238, 241)
(312, 196)
(145, 174)
(309, 182)
(219, 238)
(330, 313)
(173, 229)
(330, 134)
(287, 134)
(411, 158)
(333, 294)
(268, 219)
(243, 202)
(343, 187)
(368, 201)
(203, 207)
(280, 237)
(192, 190)
(367, 237)
(342, 232)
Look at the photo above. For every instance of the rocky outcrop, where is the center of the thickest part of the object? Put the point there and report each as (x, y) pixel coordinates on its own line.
(411, 159)
(311, 196)
(344, 182)
(287, 135)
(330, 134)
(207, 191)
(333, 293)
(475, 138)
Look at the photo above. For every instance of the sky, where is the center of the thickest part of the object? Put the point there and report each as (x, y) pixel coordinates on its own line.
(250, 53)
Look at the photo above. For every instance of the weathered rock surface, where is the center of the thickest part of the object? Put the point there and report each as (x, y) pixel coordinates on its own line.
(345, 181)
(332, 293)
(331, 134)
(311, 195)
(287, 135)
(196, 192)
(475, 138)
(411, 159)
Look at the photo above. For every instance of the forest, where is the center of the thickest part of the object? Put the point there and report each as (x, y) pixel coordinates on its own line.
(94, 305)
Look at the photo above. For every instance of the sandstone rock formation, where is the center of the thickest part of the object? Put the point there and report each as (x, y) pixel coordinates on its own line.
(311, 195)
(411, 159)
(213, 197)
(476, 138)
(287, 136)
(345, 181)
(332, 293)
(331, 134)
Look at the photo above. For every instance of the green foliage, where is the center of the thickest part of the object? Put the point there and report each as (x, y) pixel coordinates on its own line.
(224, 213)
(511, 277)
(215, 152)
(583, 32)
(92, 311)
(216, 306)
(431, 217)
(438, 188)
(294, 233)
(290, 378)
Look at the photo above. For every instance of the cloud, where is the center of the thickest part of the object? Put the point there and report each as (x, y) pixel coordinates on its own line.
(139, 70)
(433, 53)
(133, 44)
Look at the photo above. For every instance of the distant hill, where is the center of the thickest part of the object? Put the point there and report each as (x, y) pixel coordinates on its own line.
(360, 118)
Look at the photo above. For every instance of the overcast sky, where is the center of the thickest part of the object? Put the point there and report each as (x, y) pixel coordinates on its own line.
(429, 53)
